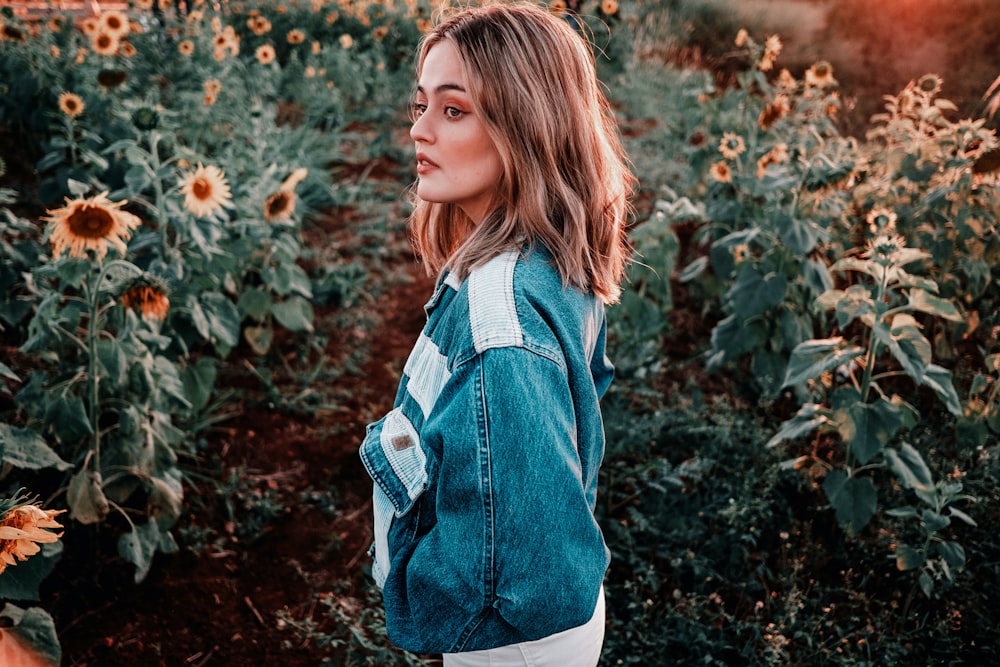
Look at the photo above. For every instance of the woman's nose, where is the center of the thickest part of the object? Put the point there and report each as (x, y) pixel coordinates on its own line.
(420, 130)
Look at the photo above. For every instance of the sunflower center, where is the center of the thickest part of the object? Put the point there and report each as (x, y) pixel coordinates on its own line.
(201, 189)
(91, 222)
(277, 204)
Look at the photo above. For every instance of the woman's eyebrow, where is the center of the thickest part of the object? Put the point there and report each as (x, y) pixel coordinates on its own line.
(444, 87)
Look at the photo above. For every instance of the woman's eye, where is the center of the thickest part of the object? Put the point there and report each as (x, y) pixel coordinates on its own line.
(453, 112)
(417, 110)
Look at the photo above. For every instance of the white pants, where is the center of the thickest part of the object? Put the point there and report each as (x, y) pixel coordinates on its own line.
(576, 647)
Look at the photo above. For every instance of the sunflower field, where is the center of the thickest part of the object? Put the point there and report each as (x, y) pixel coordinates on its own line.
(207, 291)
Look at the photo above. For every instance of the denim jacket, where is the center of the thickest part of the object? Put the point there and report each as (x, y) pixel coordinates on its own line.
(485, 471)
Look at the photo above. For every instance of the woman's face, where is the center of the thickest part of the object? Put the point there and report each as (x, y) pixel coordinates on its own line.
(457, 162)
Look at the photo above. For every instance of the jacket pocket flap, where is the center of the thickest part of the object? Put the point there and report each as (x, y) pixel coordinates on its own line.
(392, 455)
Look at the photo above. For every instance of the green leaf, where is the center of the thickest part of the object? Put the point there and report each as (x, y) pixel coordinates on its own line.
(817, 275)
(23, 581)
(853, 498)
(6, 372)
(753, 293)
(962, 516)
(113, 360)
(255, 302)
(199, 381)
(908, 558)
(693, 270)
(35, 628)
(926, 583)
(925, 302)
(934, 522)
(809, 417)
(139, 546)
(939, 379)
(23, 448)
(909, 467)
(952, 552)
(295, 314)
(799, 235)
(68, 417)
(223, 318)
(812, 358)
(867, 427)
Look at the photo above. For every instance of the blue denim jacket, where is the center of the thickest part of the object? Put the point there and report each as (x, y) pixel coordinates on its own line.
(486, 469)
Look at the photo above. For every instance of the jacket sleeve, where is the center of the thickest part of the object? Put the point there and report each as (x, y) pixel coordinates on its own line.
(514, 526)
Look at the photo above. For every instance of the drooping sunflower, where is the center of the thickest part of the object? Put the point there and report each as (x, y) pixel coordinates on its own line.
(776, 155)
(265, 54)
(114, 22)
(22, 529)
(774, 111)
(205, 191)
(111, 78)
(104, 43)
(90, 224)
(148, 296)
(71, 104)
(280, 205)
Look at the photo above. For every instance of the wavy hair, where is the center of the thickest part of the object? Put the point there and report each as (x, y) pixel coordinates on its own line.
(565, 180)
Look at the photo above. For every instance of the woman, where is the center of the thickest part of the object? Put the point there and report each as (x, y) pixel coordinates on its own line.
(485, 471)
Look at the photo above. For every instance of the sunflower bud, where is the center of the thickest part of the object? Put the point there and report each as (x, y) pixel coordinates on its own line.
(145, 119)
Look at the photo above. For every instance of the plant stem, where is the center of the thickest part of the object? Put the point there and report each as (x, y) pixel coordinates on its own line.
(161, 218)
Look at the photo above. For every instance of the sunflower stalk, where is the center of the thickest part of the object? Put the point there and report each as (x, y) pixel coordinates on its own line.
(159, 200)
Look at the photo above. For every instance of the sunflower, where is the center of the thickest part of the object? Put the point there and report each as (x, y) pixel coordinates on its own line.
(54, 51)
(820, 75)
(147, 296)
(89, 25)
(186, 47)
(929, 84)
(212, 86)
(209, 99)
(310, 71)
(774, 111)
(104, 43)
(71, 104)
(346, 41)
(296, 36)
(280, 205)
(22, 529)
(786, 81)
(721, 173)
(90, 224)
(776, 155)
(265, 54)
(881, 220)
(114, 22)
(128, 49)
(316, 46)
(772, 47)
(56, 23)
(741, 38)
(205, 191)
(609, 7)
(259, 26)
(731, 145)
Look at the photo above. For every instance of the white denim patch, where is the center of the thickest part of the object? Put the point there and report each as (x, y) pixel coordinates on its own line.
(428, 372)
(492, 311)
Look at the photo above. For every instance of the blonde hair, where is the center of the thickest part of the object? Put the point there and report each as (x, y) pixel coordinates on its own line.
(565, 183)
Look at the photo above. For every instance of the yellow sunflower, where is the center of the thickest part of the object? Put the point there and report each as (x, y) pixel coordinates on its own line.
(90, 224)
(609, 7)
(259, 26)
(721, 173)
(114, 22)
(22, 529)
(128, 49)
(265, 54)
(71, 104)
(741, 38)
(296, 36)
(820, 75)
(54, 51)
(776, 155)
(205, 191)
(316, 48)
(89, 25)
(213, 86)
(731, 145)
(772, 47)
(774, 111)
(104, 43)
(186, 47)
(346, 41)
